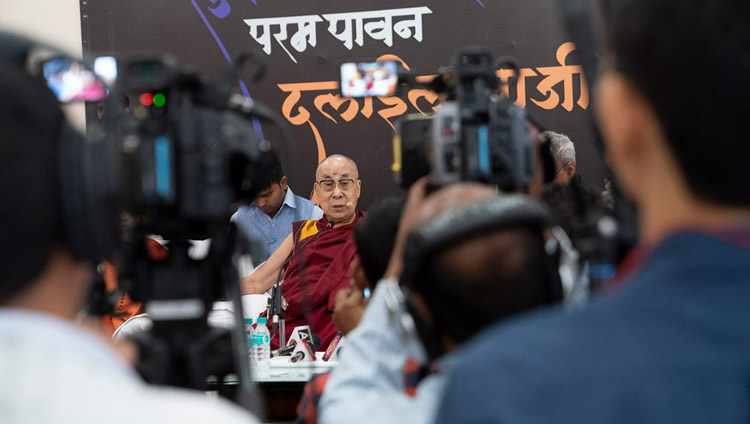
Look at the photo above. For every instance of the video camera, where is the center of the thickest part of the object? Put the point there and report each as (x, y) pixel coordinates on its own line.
(186, 154)
(174, 155)
(187, 151)
(477, 134)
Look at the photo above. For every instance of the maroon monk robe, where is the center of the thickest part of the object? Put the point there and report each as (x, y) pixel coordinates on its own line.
(315, 275)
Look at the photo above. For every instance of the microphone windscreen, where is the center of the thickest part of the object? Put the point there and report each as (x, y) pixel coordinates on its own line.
(315, 342)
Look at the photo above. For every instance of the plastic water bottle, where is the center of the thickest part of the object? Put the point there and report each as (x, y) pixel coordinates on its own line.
(249, 334)
(261, 345)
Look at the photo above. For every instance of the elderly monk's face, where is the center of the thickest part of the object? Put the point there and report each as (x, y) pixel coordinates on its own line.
(338, 186)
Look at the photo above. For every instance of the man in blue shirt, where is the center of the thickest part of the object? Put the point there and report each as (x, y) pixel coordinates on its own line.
(673, 344)
(268, 219)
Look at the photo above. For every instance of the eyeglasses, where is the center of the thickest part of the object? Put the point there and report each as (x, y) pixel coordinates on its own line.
(330, 185)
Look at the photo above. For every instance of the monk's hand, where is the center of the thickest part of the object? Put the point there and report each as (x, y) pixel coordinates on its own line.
(348, 310)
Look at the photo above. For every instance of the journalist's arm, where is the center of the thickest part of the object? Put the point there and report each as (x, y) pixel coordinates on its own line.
(370, 375)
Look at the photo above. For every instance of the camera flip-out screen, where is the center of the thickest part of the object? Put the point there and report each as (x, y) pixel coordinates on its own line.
(368, 79)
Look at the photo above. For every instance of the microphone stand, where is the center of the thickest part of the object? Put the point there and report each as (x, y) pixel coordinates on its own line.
(276, 312)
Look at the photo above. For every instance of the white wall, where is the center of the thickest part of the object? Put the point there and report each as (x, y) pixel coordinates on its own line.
(56, 22)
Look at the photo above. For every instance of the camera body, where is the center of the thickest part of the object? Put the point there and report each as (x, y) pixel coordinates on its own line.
(185, 155)
(477, 134)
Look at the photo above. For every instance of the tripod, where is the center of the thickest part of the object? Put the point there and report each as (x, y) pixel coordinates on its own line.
(178, 292)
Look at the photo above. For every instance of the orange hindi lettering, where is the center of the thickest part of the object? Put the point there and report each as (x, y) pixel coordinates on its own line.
(561, 74)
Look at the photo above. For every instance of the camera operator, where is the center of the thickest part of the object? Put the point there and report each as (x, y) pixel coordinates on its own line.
(672, 344)
(478, 275)
(52, 369)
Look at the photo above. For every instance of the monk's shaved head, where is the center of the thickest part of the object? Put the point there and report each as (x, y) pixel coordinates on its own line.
(337, 158)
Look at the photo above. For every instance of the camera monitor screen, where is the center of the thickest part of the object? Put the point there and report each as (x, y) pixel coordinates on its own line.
(369, 79)
(106, 68)
(71, 81)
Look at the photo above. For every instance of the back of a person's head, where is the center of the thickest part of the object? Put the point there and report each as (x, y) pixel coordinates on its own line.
(375, 236)
(691, 61)
(484, 279)
(561, 148)
(30, 210)
(479, 258)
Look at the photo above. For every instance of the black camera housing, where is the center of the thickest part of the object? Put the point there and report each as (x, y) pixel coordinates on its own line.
(186, 161)
(476, 135)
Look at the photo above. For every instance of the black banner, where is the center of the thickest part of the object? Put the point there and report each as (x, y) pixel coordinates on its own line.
(304, 42)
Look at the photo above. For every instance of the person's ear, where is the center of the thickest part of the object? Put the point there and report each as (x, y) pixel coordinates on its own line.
(565, 173)
(421, 309)
(570, 169)
(628, 124)
(358, 277)
(283, 182)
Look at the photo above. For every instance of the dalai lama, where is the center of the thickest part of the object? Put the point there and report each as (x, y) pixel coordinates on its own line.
(314, 275)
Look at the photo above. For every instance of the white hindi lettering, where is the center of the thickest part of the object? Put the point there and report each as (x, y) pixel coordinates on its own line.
(349, 28)
(260, 30)
(345, 35)
(379, 27)
(306, 33)
(403, 27)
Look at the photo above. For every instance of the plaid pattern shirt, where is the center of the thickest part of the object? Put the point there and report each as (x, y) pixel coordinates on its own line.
(307, 410)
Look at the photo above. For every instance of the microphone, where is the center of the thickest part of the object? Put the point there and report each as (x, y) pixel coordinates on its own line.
(276, 294)
(314, 343)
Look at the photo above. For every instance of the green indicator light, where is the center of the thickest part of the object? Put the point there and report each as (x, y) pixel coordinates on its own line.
(159, 100)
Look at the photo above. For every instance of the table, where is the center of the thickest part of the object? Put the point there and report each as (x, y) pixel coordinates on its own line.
(282, 384)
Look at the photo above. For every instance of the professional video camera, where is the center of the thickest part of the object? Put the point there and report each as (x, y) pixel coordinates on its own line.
(171, 161)
(477, 134)
(174, 159)
(186, 153)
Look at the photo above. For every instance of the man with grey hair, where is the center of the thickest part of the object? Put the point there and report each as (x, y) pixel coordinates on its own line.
(563, 152)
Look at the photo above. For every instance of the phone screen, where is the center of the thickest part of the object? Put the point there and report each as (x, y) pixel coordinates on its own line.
(369, 79)
(72, 82)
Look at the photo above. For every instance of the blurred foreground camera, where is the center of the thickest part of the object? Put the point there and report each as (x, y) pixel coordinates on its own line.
(185, 153)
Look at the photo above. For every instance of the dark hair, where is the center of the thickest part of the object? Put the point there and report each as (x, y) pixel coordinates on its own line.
(571, 204)
(692, 62)
(375, 236)
(30, 209)
(269, 173)
(505, 274)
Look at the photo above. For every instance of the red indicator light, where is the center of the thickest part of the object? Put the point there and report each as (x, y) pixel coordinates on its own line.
(147, 99)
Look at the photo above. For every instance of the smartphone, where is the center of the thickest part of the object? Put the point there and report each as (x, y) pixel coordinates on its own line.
(72, 81)
(368, 79)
